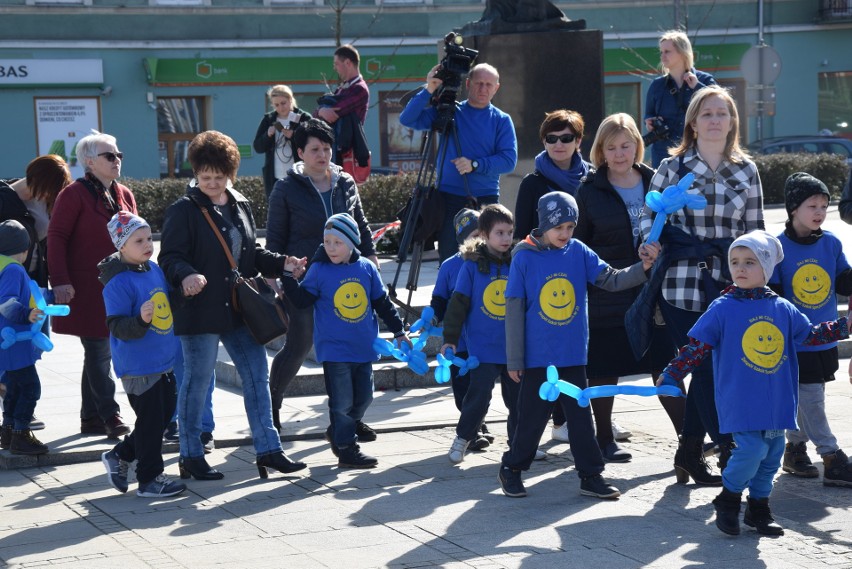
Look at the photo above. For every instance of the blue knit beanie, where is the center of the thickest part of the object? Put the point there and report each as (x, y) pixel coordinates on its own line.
(343, 226)
(555, 209)
(464, 223)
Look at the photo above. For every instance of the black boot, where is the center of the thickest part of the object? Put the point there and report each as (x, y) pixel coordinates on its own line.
(758, 516)
(838, 469)
(352, 457)
(6, 437)
(725, 451)
(25, 442)
(198, 469)
(276, 419)
(727, 506)
(689, 461)
(278, 461)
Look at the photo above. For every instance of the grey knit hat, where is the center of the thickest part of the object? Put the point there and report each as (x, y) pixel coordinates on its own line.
(765, 246)
(14, 238)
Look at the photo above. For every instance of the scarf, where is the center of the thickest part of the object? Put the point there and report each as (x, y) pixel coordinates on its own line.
(749, 293)
(106, 195)
(567, 180)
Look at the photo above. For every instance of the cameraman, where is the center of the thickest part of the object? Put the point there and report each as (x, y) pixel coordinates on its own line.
(669, 95)
(488, 145)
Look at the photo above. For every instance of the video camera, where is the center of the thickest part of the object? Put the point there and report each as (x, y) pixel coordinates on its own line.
(661, 132)
(456, 63)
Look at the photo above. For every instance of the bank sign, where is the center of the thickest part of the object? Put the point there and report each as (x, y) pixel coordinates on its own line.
(44, 72)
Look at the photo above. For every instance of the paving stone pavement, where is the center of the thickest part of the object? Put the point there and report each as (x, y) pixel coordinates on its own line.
(415, 510)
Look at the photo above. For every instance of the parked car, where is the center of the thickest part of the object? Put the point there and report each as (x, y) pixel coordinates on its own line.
(813, 144)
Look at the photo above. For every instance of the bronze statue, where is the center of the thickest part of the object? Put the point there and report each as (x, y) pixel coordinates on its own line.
(507, 16)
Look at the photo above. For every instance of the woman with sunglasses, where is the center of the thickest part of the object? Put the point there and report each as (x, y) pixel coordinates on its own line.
(77, 240)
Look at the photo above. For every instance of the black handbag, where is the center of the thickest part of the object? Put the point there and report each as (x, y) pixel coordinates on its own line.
(263, 311)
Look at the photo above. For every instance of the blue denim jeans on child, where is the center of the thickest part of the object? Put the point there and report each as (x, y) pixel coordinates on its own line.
(754, 462)
(350, 392)
(249, 357)
(23, 390)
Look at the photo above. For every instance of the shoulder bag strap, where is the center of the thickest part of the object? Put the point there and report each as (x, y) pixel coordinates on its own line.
(216, 231)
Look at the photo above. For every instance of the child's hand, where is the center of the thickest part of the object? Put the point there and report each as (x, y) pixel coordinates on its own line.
(35, 315)
(648, 252)
(404, 339)
(444, 349)
(666, 380)
(516, 375)
(147, 311)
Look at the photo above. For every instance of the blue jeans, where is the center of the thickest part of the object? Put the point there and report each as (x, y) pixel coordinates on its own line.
(249, 357)
(447, 244)
(23, 390)
(97, 385)
(754, 462)
(350, 392)
(208, 424)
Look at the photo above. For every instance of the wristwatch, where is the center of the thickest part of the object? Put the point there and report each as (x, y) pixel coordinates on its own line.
(474, 165)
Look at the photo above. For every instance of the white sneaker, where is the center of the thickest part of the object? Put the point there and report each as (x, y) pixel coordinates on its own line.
(456, 454)
(619, 433)
(539, 455)
(560, 433)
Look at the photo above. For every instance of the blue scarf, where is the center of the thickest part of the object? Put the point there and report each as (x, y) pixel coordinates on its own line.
(567, 180)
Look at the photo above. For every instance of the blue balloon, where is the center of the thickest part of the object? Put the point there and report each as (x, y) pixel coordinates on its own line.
(673, 198)
(414, 359)
(425, 327)
(442, 372)
(551, 388)
(35, 334)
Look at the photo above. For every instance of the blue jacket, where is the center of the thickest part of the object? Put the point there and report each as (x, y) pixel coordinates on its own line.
(15, 309)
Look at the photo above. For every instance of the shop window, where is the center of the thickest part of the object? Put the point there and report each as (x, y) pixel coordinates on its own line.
(622, 98)
(835, 103)
(179, 119)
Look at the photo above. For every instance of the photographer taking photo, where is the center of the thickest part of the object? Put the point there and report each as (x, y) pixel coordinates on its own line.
(486, 137)
(669, 95)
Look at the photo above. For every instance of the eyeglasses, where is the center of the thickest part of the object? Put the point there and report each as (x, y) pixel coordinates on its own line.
(111, 156)
(563, 138)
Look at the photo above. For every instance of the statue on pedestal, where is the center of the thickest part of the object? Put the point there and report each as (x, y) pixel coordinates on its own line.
(512, 16)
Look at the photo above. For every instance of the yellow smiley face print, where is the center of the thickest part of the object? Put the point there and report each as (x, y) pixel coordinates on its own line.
(811, 285)
(494, 298)
(350, 301)
(557, 299)
(162, 312)
(763, 344)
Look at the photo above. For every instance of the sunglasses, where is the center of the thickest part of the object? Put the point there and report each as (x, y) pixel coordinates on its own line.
(111, 156)
(563, 138)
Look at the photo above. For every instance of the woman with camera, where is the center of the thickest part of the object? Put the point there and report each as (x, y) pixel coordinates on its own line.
(274, 135)
(669, 95)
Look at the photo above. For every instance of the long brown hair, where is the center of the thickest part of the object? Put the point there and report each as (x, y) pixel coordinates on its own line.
(46, 176)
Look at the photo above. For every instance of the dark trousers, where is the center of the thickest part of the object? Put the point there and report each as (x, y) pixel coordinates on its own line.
(154, 409)
(534, 413)
(97, 385)
(459, 383)
(478, 398)
(23, 390)
(447, 244)
(700, 416)
(286, 363)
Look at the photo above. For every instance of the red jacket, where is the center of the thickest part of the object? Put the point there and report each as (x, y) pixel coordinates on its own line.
(77, 240)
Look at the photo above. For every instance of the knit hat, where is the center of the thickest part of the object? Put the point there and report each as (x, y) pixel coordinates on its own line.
(765, 246)
(799, 187)
(343, 226)
(14, 238)
(465, 223)
(122, 225)
(555, 209)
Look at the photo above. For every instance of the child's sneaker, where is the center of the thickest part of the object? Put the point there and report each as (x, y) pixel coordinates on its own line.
(36, 424)
(486, 434)
(539, 454)
(116, 470)
(25, 442)
(560, 433)
(160, 487)
(510, 482)
(838, 471)
(171, 432)
(456, 454)
(598, 487)
(619, 433)
(613, 452)
(797, 461)
(352, 457)
(207, 442)
(479, 443)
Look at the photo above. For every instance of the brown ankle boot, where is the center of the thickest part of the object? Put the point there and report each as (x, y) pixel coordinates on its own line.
(838, 470)
(797, 461)
(25, 442)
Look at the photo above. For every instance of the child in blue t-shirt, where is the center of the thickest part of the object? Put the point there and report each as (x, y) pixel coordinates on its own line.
(477, 311)
(813, 272)
(346, 292)
(755, 335)
(17, 362)
(546, 324)
(143, 346)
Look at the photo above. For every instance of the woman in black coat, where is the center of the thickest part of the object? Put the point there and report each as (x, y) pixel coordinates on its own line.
(610, 202)
(275, 133)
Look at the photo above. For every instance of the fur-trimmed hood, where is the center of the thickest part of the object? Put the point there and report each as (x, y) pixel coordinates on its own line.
(477, 251)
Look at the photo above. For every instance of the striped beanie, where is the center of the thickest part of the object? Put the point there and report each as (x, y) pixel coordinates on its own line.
(343, 226)
(122, 225)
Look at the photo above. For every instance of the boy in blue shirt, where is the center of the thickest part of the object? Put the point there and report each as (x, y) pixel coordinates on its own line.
(755, 335)
(143, 345)
(477, 312)
(546, 324)
(346, 292)
(17, 362)
(813, 272)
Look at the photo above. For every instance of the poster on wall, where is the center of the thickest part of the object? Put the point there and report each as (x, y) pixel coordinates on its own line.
(400, 145)
(61, 122)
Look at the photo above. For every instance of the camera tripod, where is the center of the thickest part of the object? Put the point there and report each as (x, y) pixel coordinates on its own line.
(428, 182)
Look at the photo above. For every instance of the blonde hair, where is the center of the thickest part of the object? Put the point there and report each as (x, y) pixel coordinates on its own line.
(733, 151)
(282, 91)
(612, 126)
(682, 45)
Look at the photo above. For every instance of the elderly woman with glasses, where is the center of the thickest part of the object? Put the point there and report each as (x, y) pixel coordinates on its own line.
(77, 240)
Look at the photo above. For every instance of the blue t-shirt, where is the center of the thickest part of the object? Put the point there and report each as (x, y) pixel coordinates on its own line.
(485, 321)
(807, 273)
(345, 323)
(15, 304)
(553, 286)
(445, 284)
(754, 361)
(154, 352)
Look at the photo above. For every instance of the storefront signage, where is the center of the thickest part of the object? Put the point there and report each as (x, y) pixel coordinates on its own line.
(68, 72)
(61, 122)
